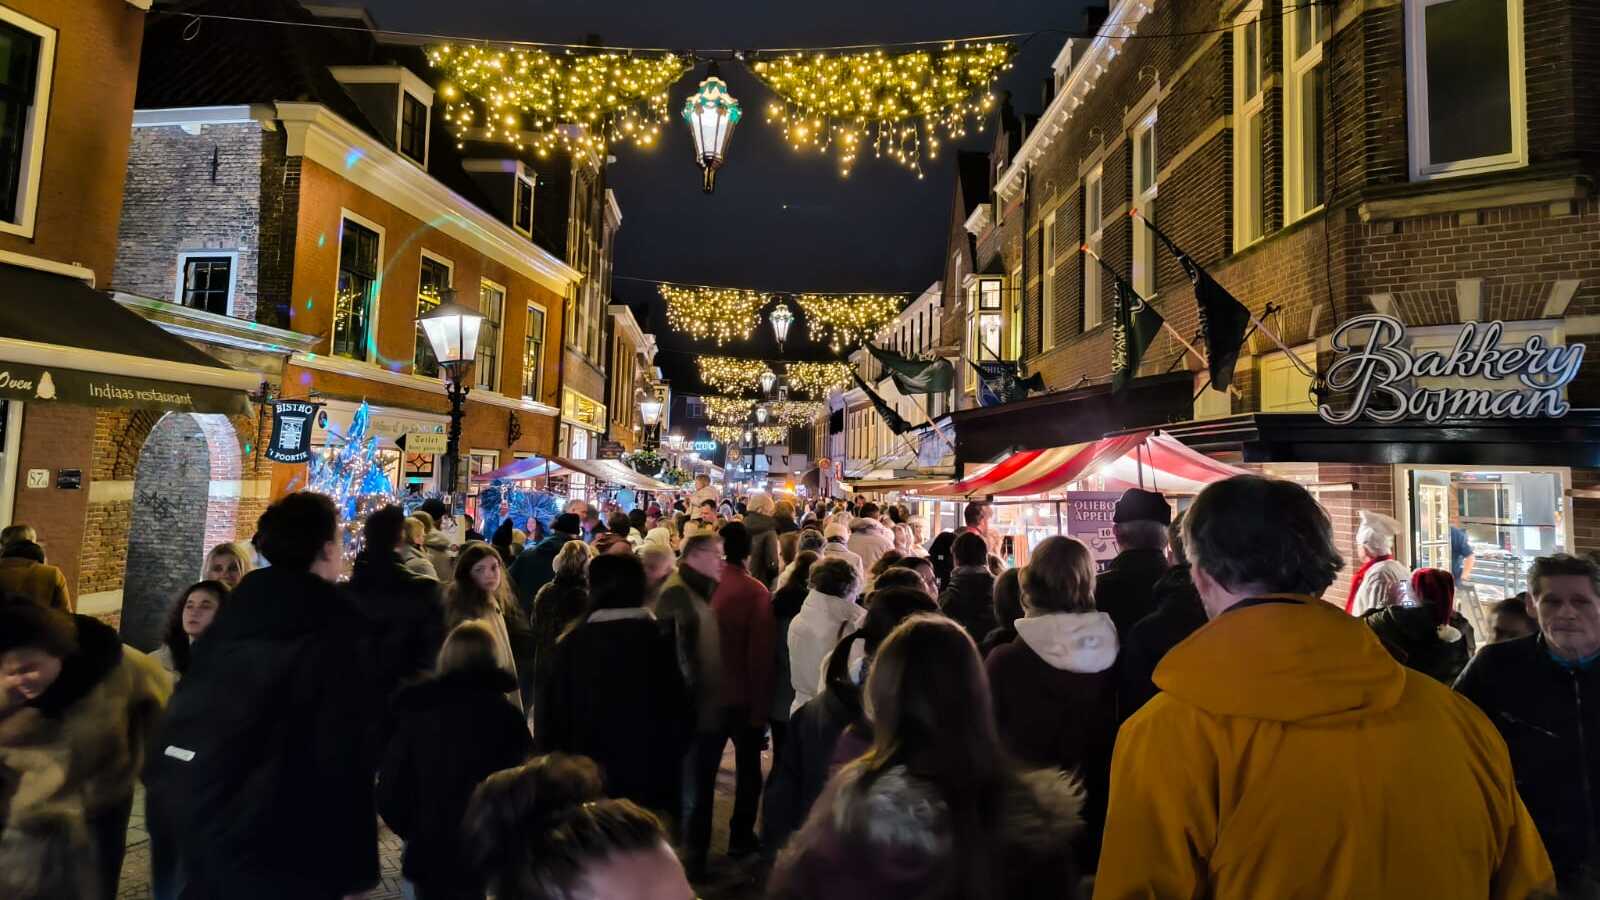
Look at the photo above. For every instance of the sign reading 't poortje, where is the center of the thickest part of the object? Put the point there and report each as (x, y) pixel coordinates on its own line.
(1377, 372)
(291, 431)
(40, 384)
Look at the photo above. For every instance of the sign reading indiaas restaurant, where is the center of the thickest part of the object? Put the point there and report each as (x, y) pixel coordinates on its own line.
(1379, 371)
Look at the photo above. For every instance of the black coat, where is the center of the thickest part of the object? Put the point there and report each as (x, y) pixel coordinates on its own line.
(407, 615)
(1549, 716)
(1126, 590)
(536, 567)
(615, 694)
(1179, 613)
(969, 600)
(1412, 638)
(289, 658)
(452, 731)
(558, 605)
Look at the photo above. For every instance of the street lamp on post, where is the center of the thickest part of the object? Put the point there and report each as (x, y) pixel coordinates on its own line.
(650, 415)
(452, 331)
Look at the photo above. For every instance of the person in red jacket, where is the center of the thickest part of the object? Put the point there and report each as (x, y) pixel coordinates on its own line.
(743, 608)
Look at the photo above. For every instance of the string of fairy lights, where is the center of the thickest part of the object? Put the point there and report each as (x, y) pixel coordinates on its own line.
(722, 314)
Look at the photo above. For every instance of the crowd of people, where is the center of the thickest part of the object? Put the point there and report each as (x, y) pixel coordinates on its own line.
(544, 714)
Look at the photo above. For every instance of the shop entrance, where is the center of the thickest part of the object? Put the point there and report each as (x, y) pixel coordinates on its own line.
(1485, 526)
(185, 500)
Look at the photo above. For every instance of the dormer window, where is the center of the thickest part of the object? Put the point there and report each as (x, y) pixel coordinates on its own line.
(397, 103)
(413, 128)
(522, 211)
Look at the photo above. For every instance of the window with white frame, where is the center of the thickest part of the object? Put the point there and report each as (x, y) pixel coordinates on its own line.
(1047, 290)
(988, 334)
(1465, 91)
(205, 281)
(1144, 200)
(1303, 105)
(1093, 232)
(533, 355)
(432, 281)
(413, 128)
(492, 305)
(1249, 127)
(356, 289)
(522, 208)
(479, 462)
(1015, 291)
(28, 49)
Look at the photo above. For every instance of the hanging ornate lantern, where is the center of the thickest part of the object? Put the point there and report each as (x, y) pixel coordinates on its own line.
(761, 415)
(781, 318)
(711, 113)
(768, 379)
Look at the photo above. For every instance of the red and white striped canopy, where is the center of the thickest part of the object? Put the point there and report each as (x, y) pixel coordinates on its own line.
(1157, 461)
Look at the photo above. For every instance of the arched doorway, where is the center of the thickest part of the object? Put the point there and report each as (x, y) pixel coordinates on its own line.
(185, 500)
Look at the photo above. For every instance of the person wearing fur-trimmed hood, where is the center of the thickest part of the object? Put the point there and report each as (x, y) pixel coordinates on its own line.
(935, 808)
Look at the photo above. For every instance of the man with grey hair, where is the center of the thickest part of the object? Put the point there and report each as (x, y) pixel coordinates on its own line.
(1289, 755)
(1126, 589)
(1533, 691)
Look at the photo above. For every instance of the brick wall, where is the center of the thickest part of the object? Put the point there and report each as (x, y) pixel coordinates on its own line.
(95, 68)
(55, 438)
(192, 192)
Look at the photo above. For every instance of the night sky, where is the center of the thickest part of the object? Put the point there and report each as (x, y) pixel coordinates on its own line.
(779, 220)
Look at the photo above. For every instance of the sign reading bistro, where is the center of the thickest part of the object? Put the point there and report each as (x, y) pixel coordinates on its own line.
(1378, 370)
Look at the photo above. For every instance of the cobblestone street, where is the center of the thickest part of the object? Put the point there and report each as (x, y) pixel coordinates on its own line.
(727, 879)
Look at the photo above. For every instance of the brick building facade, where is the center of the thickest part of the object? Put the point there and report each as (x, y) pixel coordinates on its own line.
(1290, 150)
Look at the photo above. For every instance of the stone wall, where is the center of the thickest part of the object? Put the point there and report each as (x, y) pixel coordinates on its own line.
(187, 193)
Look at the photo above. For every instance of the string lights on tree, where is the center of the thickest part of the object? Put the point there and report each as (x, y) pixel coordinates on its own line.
(846, 319)
(738, 376)
(708, 313)
(532, 98)
(895, 104)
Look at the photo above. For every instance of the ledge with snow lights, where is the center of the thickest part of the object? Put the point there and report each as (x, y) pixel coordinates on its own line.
(716, 314)
(845, 319)
(725, 373)
(760, 435)
(530, 98)
(818, 379)
(729, 410)
(894, 105)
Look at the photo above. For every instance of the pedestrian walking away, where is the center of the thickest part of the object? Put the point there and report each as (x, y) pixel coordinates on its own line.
(1281, 757)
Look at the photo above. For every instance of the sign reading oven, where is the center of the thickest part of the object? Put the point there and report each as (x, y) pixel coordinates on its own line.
(1378, 371)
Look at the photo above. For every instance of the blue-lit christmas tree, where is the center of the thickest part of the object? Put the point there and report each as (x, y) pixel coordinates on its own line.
(351, 474)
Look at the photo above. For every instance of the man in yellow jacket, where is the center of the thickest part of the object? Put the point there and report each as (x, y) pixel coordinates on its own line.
(1289, 756)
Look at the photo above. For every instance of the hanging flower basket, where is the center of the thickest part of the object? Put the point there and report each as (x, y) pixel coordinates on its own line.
(647, 462)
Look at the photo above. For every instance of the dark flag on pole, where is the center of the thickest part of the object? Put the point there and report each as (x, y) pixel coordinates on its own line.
(998, 383)
(896, 423)
(1223, 319)
(1134, 326)
(915, 376)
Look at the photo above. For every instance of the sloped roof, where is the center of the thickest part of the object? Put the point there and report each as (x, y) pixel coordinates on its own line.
(972, 168)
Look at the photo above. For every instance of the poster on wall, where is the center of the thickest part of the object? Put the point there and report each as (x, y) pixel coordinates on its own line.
(1089, 520)
(291, 431)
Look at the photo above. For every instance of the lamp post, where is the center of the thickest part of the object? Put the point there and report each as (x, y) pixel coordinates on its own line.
(711, 113)
(452, 331)
(781, 318)
(650, 415)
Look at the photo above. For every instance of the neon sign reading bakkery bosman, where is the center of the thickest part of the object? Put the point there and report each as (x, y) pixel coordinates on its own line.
(1377, 370)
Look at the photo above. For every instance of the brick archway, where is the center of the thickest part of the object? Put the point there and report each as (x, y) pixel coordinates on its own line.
(185, 500)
